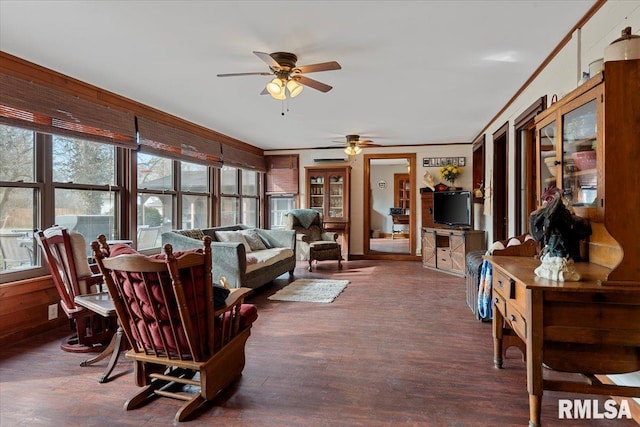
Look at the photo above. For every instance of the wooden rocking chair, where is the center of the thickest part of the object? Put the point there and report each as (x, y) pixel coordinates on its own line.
(180, 342)
(65, 254)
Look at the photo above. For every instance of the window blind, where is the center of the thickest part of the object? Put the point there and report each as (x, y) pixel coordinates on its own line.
(160, 139)
(282, 174)
(43, 109)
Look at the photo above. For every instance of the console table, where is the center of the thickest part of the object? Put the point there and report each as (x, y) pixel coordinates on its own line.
(581, 327)
(445, 248)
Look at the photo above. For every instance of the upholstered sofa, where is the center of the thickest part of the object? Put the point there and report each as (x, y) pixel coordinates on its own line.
(244, 256)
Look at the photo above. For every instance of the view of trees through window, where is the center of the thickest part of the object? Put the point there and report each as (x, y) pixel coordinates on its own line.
(50, 179)
(18, 203)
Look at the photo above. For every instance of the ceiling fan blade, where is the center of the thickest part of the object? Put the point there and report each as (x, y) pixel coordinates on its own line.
(324, 66)
(313, 84)
(365, 145)
(257, 73)
(267, 59)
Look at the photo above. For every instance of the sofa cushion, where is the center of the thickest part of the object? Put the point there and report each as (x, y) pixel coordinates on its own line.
(233, 236)
(269, 257)
(253, 239)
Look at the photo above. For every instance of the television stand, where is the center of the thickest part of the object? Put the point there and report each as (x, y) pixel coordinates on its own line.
(445, 249)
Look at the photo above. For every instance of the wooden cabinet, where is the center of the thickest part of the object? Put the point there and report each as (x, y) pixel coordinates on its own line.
(578, 327)
(402, 192)
(328, 193)
(445, 249)
(590, 142)
(569, 145)
(426, 198)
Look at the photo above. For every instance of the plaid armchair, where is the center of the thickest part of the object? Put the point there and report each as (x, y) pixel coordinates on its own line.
(312, 242)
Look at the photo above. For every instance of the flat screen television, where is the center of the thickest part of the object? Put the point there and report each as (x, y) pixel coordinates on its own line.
(452, 208)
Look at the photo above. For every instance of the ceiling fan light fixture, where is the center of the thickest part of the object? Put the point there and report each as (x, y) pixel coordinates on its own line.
(294, 88)
(352, 149)
(276, 89)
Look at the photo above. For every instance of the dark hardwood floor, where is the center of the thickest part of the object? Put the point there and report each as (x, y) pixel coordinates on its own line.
(399, 347)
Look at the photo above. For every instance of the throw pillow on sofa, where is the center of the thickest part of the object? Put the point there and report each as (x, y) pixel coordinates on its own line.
(233, 236)
(253, 238)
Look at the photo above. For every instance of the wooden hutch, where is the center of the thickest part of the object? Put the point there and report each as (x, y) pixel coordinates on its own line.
(588, 144)
(328, 193)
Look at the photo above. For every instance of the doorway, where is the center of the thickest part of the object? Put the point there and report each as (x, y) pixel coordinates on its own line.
(389, 230)
(500, 180)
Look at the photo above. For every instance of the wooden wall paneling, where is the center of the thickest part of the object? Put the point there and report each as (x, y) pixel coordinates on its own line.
(24, 308)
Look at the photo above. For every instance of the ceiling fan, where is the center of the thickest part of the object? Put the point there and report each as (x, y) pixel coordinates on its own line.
(289, 78)
(355, 144)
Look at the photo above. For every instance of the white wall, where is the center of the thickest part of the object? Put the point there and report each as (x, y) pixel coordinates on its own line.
(560, 77)
(357, 179)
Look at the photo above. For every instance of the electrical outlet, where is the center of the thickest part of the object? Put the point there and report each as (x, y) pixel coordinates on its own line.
(53, 311)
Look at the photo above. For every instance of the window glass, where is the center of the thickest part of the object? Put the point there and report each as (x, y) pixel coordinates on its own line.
(229, 211)
(155, 210)
(88, 212)
(154, 172)
(228, 180)
(18, 199)
(193, 177)
(249, 212)
(17, 246)
(194, 211)
(249, 183)
(82, 162)
(16, 146)
(277, 208)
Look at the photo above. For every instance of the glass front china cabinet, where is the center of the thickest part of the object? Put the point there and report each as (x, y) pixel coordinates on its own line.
(328, 193)
(569, 146)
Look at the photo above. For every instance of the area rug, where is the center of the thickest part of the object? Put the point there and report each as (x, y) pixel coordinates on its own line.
(311, 290)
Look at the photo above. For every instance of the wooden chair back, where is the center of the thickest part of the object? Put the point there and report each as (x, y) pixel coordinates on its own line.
(67, 262)
(164, 303)
(65, 255)
(166, 308)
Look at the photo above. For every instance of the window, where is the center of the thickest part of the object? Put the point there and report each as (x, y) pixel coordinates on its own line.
(18, 200)
(239, 207)
(195, 186)
(156, 194)
(161, 207)
(85, 199)
(278, 205)
(83, 194)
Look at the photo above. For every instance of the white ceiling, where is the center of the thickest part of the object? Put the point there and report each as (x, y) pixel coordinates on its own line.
(413, 72)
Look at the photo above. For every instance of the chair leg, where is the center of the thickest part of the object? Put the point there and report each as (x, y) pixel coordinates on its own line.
(309, 264)
(188, 408)
(116, 347)
(143, 396)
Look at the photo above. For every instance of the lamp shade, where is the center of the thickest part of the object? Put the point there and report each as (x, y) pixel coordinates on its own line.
(352, 150)
(276, 89)
(294, 87)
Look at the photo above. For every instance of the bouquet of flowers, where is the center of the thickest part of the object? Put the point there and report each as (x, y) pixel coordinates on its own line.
(450, 173)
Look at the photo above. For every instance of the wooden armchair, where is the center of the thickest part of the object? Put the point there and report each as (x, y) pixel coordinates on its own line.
(180, 342)
(65, 254)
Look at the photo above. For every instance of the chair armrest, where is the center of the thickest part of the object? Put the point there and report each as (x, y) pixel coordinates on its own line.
(236, 296)
(303, 238)
(331, 237)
